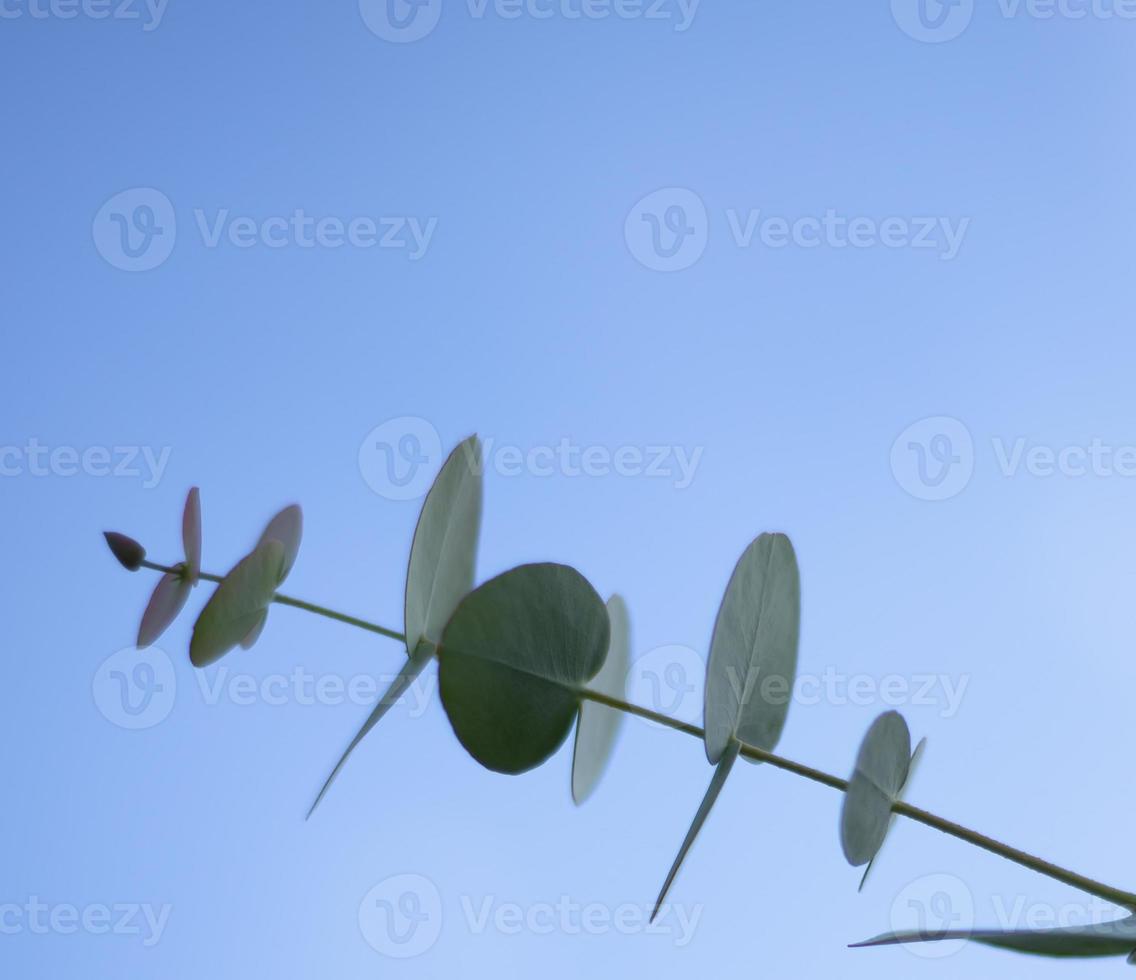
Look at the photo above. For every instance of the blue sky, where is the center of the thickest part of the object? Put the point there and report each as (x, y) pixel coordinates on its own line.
(856, 272)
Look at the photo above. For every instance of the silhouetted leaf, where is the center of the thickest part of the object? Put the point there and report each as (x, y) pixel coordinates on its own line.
(598, 725)
(881, 770)
(1116, 938)
(191, 535)
(235, 609)
(444, 550)
(287, 527)
(911, 768)
(753, 653)
(130, 553)
(166, 602)
(512, 658)
(725, 764)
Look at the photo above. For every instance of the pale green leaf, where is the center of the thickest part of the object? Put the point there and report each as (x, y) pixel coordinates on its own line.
(444, 551)
(599, 725)
(881, 770)
(753, 652)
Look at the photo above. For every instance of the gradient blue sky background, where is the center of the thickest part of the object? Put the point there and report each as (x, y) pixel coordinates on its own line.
(534, 319)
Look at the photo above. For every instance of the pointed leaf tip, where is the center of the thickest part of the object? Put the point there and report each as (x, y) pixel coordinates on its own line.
(191, 535)
(410, 670)
(130, 553)
(1116, 937)
(721, 771)
(443, 553)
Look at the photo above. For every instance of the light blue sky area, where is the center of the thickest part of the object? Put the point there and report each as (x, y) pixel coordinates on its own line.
(688, 285)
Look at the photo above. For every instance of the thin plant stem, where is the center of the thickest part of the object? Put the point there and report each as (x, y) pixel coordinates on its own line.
(311, 607)
(1107, 892)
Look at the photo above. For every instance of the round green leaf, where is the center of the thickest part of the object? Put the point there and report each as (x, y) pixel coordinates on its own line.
(512, 658)
(598, 726)
(753, 653)
(444, 550)
(881, 770)
(236, 609)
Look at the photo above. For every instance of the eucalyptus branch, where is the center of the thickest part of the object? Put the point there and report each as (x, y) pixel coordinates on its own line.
(1109, 893)
(545, 622)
